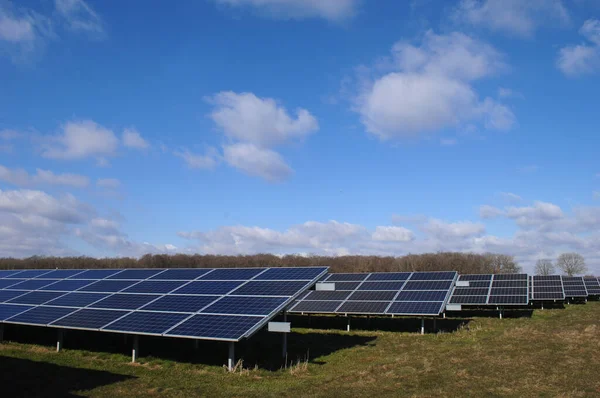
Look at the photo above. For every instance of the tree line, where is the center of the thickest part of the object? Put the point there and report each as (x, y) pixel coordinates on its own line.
(464, 263)
(568, 263)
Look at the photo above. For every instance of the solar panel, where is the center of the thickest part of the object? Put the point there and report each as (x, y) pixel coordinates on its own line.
(574, 286)
(547, 287)
(592, 285)
(395, 293)
(5, 273)
(492, 289)
(222, 304)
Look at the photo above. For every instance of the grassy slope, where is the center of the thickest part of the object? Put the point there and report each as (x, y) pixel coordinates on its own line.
(554, 353)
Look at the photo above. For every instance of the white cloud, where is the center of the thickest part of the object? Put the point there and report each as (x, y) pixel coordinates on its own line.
(514, 17)
(430, 89)
(448, 141)
(257, 161)
(525, 216)
(37, 203)
(14, 29)
(108, 183)
(133, 139)
(21, 177)
(336, 11)
(82, 139)
(584, 58)
(195, 161)
(79, 16)
(511, 197)
(443, 230)
(393, 234)
(8, 134)
(260, 121)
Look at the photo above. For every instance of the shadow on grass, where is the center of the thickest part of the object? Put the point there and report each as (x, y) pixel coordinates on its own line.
(263, 350)
(26, 378)
(388, 324)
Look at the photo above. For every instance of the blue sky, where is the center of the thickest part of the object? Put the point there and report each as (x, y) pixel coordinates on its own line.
(300, 126)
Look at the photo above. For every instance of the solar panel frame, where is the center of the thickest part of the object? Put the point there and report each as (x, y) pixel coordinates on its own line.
(547, 288)
(499, 288)
(592, 285)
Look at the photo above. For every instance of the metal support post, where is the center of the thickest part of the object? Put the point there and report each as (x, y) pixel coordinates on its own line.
(444, 315)
(284, 340)
(348, 325)
(231, 357)
(422, 325)
(196, 345)
(1, 333)
(59, 340)
(136, 349)
(435, 325)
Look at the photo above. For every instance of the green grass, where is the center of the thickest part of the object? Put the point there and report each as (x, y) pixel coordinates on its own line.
(555, 353)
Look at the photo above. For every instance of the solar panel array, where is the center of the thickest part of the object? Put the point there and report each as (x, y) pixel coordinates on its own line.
(547, 287)
(592, 285)
(216, 304)
(492, 289)
(389, 293)
(574, 286)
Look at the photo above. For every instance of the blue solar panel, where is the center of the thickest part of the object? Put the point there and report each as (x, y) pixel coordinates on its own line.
(363, 307)
(146, 322)
(77, 299)
(208, 287)
(90, 319)
(107, 286)
(476, 277)
(68, 285)
(4, 283)
(422, 295)
(61, 273)
(125, 301)
(96, 274)
(41, 315)
(6, 295)
(180, 303)
(433, 276)
(9, 310)
(155, 287)
(32, 273)
(5, 273)
(290, 274)
(327, 295)
(415, 308)
(224, 327)
(135, 274)
(389, 276)
(429, 285)
(35, 298)
(316, 306)
(269, 288)
(32, 284)
(181, 274)
(245, 305)
(381, 285)
(224, 274)
(373, 295)
(347, 286)
(347, 277)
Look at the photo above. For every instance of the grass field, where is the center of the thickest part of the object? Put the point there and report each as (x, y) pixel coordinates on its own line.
(553, 353)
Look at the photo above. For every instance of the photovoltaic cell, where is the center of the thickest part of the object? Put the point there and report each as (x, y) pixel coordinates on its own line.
(476, 277)
(347, 277)
(29, 274)
(468, 299)
(125, 301)
(548, 287)
(364, 307)
(89, 319)
(471, 291)
(7, 283)
(316, 306)
(492, 289)
(96, 274)
(135, 274)
(430, 285)
(415, 308)
(224, 327)
(146, 322)
(68, 285)
(592, 285)
(372, 296)
(41, 315)
(282, 274)
(32, 284)
(269, 288)
(245, 305)
(208, 287)
(5, 273)
(225, 274)
(77, 299)
(10, 310)
(107, 286)
(60, 273)
(397, 285)
(346, 286)
(389, 276)
(35, 298)
(523, 299)
(179, 303)
(181, 274)
(327, 295)
(422, 295)
(6, 295)
(158, 287)
(430, 276)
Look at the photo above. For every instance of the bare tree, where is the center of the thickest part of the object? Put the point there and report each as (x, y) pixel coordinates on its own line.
(502, 264)
(544, 267)
(571, 263)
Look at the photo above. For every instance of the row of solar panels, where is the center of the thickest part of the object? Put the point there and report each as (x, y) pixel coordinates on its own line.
(216, 304)
(230, 304)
